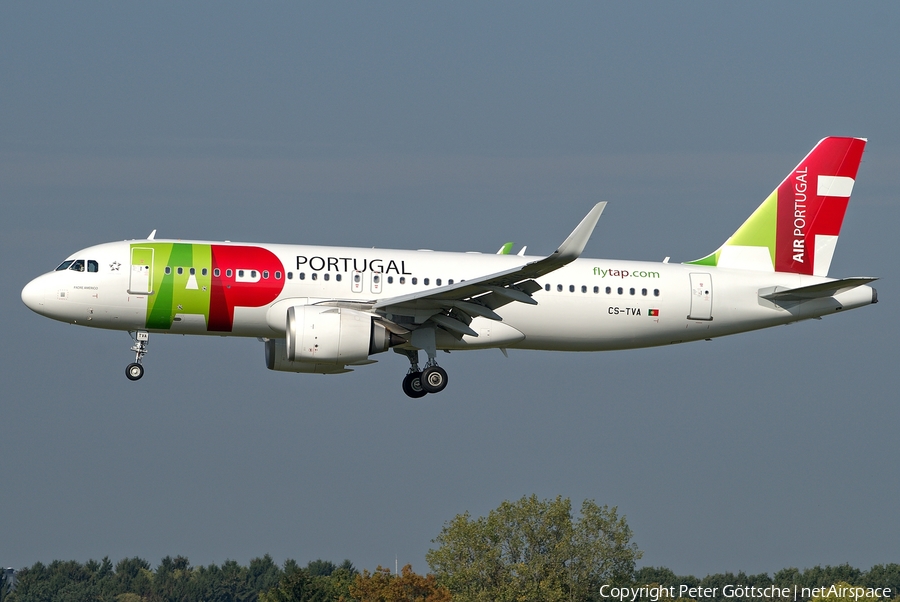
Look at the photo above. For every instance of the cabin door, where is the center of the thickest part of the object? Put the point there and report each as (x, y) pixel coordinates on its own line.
(141, 282)
(701, 297)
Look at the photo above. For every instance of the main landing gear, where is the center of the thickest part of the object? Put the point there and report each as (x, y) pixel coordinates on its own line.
(135, 370)
(416, 383)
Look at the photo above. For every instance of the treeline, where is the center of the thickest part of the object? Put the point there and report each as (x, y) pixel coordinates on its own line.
(527, 550)
(175, 580)
(133, 580)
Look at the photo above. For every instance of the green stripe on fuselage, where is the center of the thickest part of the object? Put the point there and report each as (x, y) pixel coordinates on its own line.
(176, 293)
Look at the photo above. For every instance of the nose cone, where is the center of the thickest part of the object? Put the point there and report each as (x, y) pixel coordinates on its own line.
(33, 295)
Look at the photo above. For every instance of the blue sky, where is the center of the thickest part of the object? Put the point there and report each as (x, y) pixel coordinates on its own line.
(455, 127)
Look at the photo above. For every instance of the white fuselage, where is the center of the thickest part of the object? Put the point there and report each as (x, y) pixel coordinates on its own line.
(588, 305)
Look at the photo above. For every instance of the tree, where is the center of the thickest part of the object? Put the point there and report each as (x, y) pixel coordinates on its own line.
(4, 585)
(382, 586)
(298, 586)
(534, 550)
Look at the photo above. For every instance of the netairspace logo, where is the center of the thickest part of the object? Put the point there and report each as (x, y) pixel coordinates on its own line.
(660, 592)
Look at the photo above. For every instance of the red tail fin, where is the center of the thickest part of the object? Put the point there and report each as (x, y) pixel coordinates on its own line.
(797, 226)
(811, 205)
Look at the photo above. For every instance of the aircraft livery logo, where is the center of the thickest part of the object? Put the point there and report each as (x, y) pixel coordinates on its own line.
(207, 280)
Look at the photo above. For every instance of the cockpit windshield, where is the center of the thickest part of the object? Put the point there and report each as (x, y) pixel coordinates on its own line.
(78, 265)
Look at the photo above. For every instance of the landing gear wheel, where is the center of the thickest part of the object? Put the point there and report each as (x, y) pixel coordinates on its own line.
(134, 371)
(434, 379)
(412, 385)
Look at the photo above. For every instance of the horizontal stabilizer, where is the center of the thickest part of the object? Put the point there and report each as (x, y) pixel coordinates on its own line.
(817, 291)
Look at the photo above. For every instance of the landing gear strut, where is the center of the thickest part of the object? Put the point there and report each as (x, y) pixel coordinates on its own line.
(412, 382)
(433, 379)
(135, 370)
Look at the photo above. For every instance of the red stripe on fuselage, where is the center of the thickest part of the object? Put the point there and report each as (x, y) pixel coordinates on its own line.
(226, 292)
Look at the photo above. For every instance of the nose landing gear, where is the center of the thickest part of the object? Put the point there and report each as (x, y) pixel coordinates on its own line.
(135, 370)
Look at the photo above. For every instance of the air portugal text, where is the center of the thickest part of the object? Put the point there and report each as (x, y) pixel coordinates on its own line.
(351, 264)
(800, 214)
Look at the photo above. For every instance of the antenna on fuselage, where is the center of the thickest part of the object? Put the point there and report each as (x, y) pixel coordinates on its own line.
(152, 235)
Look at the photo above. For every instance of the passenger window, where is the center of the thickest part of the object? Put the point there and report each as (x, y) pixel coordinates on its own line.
(631, 291)
(180, 271)
(64, 265)
(547, 287)
(571, 288)
(425, 282)
(608, 290)
(583, 289)
(290, 275)
(644, 292)
(168, 270)
(228, 272)
(450, 281)
(217, 272)
(93, 266)
(277, 275)
(337, 277)
(596, 290)
(253, 274)
(314, 276)
(402, 279)
(390, 279)
(240, 273)
(265, 273)
(620, 290)
(327, 276)
(192, 271)
(438, 282)
(559, 288)
(204, 272)
(656, 292)
(415, 280)
(302, 275)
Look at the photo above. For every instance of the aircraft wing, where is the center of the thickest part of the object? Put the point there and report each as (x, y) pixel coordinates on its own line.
(453, 306)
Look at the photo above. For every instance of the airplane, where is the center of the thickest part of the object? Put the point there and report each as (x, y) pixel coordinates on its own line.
(328, 310)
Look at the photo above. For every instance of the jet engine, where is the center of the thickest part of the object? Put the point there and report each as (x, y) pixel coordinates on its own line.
(322, 339)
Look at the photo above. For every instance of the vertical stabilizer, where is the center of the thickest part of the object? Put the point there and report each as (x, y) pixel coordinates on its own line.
(796, 228)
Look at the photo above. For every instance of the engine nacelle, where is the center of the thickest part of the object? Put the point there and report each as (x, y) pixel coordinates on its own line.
(333, 335)
(276, 359)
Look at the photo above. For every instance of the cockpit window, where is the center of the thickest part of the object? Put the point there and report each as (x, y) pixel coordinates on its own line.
(65, 265)
(77, 265)
(93, 266)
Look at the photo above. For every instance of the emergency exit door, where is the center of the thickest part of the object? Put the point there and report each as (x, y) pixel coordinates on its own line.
(701, 297)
